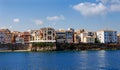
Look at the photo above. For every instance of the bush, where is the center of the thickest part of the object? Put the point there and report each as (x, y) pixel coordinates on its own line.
(40, 44)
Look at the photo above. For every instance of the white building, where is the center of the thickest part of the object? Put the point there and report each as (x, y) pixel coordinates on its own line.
(107, 36)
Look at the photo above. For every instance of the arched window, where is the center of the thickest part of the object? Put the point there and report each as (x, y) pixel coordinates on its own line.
(49, 37)
(49, 32)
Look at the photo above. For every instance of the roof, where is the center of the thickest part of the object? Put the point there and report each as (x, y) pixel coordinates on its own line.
(47, 28)
(25, 33)
(106, 30)
(5, 30)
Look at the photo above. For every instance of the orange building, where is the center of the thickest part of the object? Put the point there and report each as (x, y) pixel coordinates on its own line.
(25, 36)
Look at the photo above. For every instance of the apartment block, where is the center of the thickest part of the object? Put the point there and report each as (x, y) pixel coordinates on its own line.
(107, 36)
(60, 36)
(25, 36)
(88, 37)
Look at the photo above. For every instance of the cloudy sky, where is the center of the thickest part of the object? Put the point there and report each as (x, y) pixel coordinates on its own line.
(91, 15)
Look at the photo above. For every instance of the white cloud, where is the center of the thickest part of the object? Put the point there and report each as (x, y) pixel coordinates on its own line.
(39, 22)
(115, 7)
(16, 20)
(88, 9)
(100, 7)
(109, 1)
(55, 18)
(103, 1)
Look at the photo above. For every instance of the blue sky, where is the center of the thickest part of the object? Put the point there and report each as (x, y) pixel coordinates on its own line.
(91, 15)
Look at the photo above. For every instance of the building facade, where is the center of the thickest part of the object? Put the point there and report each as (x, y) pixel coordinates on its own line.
(107, 36)
(60, 36)
(15, 34)
(48, 34)
(69, 36)
(35, 35)
(19, 40)
(43, 35)
(2, 37)
(76, 38)
(7, 36)
(25, 36)
(88, 37)
(118, 38)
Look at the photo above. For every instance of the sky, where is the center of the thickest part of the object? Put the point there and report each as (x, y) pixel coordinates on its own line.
(91, 15)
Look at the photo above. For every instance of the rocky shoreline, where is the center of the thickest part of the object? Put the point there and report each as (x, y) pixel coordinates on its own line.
(58, 47)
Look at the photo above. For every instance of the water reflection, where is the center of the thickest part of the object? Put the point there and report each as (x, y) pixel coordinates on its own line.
(82, 60)
(84, 57)
(101, 59)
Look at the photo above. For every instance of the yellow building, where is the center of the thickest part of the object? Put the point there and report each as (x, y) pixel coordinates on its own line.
(43, 35)
(89, 39)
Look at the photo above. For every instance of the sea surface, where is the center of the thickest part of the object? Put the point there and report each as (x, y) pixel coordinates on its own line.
(60, 60)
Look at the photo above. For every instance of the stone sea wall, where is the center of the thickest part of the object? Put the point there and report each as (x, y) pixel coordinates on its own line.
(57, 47)
(85, 46)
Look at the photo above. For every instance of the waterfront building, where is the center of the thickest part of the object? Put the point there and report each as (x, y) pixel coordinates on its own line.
(88, 37)
(7, 35)
(118, 38)
(70, 35)
(14, 35)
(43, 35)
(60, 36)
(25, 36)
(107, 36)
(48, 34)
(35, 35)
(19, 40)
(2, 37)
(76, 38)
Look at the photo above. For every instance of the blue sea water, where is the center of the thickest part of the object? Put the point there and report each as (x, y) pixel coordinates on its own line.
(61, 60)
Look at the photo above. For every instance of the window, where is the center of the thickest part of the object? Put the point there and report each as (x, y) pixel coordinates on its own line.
(53, 34)
(45, 34)
(49, 37)
(49, 32)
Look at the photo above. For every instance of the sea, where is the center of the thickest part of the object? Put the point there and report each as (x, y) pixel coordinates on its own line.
(61, 60)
